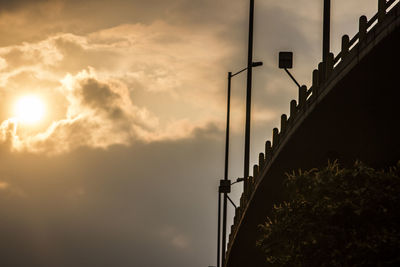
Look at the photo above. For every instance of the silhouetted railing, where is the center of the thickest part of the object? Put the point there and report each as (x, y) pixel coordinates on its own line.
(321, 79)
(364, 27)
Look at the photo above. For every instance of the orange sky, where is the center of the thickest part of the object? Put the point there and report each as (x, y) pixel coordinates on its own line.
(124, 164)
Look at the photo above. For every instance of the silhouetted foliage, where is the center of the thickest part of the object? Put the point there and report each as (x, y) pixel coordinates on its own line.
(336, 217)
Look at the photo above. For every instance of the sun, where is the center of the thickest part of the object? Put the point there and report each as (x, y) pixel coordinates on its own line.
(29, 109)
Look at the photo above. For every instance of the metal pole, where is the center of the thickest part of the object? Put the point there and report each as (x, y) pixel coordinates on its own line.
(326, 30)
(219, 230)
(248, 97)
(228, 110)
(224, 209)
(224, 219)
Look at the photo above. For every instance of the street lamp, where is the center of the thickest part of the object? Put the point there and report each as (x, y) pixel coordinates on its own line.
(225, 184)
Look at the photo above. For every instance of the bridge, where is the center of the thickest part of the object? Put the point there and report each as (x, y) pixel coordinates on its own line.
(350, 112)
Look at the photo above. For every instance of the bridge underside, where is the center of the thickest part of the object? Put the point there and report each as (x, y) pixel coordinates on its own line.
(358, 119)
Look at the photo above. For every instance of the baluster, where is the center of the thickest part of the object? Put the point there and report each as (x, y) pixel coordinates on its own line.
(315, 83)
(283, 124)
(250, 187)
(329, 65)
(256, 171)
(261, 160)
(242, 200)
(275, 138)
(251, 184)
(302, 96)
(381, 10)
(362, 29)
(345, 46)
(268, 150)
(293, 110)
(321, 73)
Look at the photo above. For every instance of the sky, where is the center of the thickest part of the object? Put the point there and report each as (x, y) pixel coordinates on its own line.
(112, 120)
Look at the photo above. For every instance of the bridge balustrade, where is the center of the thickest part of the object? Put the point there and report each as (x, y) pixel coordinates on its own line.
(321, 77)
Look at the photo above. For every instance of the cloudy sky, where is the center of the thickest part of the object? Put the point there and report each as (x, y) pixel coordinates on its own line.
(112, 117)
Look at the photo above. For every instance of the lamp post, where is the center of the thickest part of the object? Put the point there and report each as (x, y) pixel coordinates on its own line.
(248, 97)
(225, 184)
(326, 30)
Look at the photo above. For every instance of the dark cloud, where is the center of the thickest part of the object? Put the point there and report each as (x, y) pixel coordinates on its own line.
(101, 97)
(43, 18)
(13, 5)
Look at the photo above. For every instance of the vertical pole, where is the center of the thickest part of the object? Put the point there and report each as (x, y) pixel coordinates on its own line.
(248, 97)
(228, 110)
(219, 230)
(224, 208)
(326, 30)
(224, 215)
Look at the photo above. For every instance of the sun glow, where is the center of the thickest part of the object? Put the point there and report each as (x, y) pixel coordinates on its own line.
(29, 109)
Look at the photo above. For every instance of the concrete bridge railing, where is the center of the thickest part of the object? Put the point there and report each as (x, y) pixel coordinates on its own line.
(323, 80)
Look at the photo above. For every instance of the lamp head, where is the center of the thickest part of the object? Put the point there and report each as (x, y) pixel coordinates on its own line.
(285, 60)
(256, 64)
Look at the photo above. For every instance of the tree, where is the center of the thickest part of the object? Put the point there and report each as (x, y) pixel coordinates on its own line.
(336, 217)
